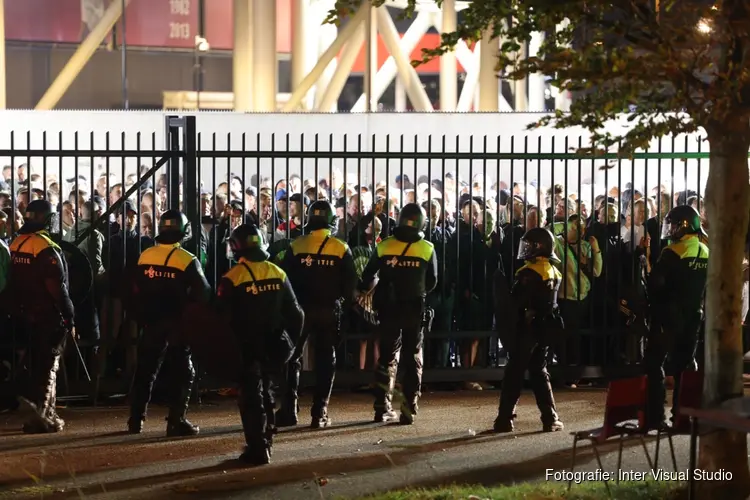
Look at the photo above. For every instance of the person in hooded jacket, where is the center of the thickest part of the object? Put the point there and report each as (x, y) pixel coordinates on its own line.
(41, 302)
(533, 321)
(321, 270)
(257, 292)
(168, 278)
(407, 271)
(124, 249)
(676, 289)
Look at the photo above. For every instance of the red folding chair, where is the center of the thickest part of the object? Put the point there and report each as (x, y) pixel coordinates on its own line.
(624, 415)
(690, 396)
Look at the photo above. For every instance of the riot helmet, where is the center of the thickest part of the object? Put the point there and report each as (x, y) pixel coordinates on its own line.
(248, 241)
(173, 227)
(320, 215)
(680, 221)
(412, 216)
(537, 242)
(38, 214)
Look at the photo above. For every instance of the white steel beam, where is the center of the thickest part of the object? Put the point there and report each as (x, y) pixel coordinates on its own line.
(489, 82)
(520, 92)
(448, 62)
(536, 81)
(265, 65)
(562, 100)
(343, 70)
(400, 96)
(388, 70)
(327, 34)
(242, 56)
(344, 36)
(301, 13)
(415, 91)
(81, 56)
(469, 90)
(371, 59)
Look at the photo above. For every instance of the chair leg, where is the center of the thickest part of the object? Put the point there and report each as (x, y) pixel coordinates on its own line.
(645, 450)
(619, 458)
(573, 462)
(658, 442)
(671, 450)
(601, 467)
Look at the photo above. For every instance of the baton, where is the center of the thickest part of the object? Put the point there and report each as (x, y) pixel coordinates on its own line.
(80, 355)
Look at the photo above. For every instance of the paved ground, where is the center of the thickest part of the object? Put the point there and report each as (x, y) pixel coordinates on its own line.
(451, 443)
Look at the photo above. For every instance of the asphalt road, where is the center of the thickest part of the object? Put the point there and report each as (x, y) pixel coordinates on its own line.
(450, 443)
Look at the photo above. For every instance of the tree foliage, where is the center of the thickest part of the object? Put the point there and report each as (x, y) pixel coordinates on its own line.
(672, 66)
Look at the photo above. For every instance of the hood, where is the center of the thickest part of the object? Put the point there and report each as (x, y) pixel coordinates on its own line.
(407, 234)
(31, 227)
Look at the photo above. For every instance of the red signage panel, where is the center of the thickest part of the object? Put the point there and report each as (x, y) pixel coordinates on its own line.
(56, 21)
(220, 25)
(170, 24)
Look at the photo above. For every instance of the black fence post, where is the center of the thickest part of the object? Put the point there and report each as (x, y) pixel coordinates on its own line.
(172, 139)
(190, 186)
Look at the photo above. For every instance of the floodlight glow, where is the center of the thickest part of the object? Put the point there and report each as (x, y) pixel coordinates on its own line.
(704, 26)
(201, 44)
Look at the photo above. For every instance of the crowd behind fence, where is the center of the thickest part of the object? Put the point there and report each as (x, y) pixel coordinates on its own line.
(608, 235)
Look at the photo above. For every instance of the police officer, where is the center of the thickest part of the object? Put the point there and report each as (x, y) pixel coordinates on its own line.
(39, 291)
(407, 268)
(676, 286)
(532, 321)
(257, 292)
(167, 279)
(321, 270)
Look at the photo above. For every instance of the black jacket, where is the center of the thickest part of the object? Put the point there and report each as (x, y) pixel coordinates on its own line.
(407, 268)
(124, 250)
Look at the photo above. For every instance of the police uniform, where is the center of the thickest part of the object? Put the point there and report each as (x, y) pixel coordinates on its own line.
(167, 279)
(533, 323)
(676, 289)
(321, 270)
(256, 292)
(41, 303)
(407, 267)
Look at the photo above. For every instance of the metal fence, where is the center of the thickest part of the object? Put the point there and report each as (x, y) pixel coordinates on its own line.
(603, 210)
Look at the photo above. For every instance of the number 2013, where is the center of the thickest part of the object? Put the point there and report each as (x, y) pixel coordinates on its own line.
(179, 30)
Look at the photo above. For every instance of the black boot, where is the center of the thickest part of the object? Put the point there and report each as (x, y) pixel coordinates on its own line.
(287, 414)
(502, 425)
(180, 428)
(553, 426)
(256, 456)
(506, 412)
(135, 424)
(545, 401)
(408, 414)
(385, 381)
(320, 418)
(177, 423)
(45, 418)
(386, 415)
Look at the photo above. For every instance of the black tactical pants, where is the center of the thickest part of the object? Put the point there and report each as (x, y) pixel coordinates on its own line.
(256, 405)
(679, 342)
(400, 333)
(526, 352)
(154, 346)
(322, 324)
